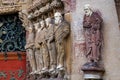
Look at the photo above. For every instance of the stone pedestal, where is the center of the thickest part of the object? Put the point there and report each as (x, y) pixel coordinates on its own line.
(92, 71)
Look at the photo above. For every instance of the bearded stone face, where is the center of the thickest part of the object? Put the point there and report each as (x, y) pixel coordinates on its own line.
(58, 17)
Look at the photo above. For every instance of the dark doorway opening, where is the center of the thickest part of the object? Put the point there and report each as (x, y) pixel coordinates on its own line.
(12, 33)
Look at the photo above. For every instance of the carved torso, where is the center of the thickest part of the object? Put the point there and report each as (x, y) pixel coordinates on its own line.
(30, 40)
(92, 26)
(61, 31)
(43, 33)
(38, 38)
(50, 31)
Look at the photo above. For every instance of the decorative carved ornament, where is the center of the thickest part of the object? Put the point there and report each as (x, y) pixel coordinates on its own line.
(10, 6)
(39, 8)
(41, 3)
(9, 9)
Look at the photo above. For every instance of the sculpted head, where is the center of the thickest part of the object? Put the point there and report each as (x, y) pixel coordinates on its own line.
(30, 29)
(37, 26)
(58, 17)
(87, 9)
(42, 23)
(30, 16)
(48, 21)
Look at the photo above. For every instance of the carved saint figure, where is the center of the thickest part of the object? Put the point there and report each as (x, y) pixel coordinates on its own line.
(38, 52)
(61, 31)
(92, 25)
(30, 48)
(51, 44)
(43, 43)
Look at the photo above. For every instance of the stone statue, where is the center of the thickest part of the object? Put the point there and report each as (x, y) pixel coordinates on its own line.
(61, 31)
(38, 51)
(43, 43)
(92, 26)
(51, 44)
(30, 48)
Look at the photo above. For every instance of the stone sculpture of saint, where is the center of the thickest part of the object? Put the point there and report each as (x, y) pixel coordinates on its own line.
(51, 44)
(30, 48)
(43, 43)
(38, 47)
(92, 28)
(61, 31)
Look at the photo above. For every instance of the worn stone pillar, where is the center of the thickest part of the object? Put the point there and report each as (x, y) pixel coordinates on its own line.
(111, 34)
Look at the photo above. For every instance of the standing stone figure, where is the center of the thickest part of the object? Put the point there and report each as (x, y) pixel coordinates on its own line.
(30, 48)
(92, 26)
(43, 43)
(38, 52)
(51, 44)
(61, 31)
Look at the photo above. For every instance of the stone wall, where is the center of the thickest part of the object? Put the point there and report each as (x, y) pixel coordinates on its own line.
(111, 33)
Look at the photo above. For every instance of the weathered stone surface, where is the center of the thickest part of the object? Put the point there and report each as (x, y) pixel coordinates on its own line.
(10, 6)
(110, 53)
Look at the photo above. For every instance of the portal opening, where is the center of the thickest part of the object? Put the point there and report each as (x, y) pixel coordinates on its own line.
(12, 33)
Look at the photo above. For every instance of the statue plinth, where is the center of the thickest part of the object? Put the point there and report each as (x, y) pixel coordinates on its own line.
(92, 70)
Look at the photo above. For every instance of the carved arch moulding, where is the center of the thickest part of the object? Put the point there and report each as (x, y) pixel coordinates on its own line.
(11, 6)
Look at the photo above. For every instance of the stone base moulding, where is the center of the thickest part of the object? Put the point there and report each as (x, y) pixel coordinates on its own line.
(92, 71)
(93, 76)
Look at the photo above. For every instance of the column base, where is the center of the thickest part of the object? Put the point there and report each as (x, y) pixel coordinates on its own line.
(92, 70)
